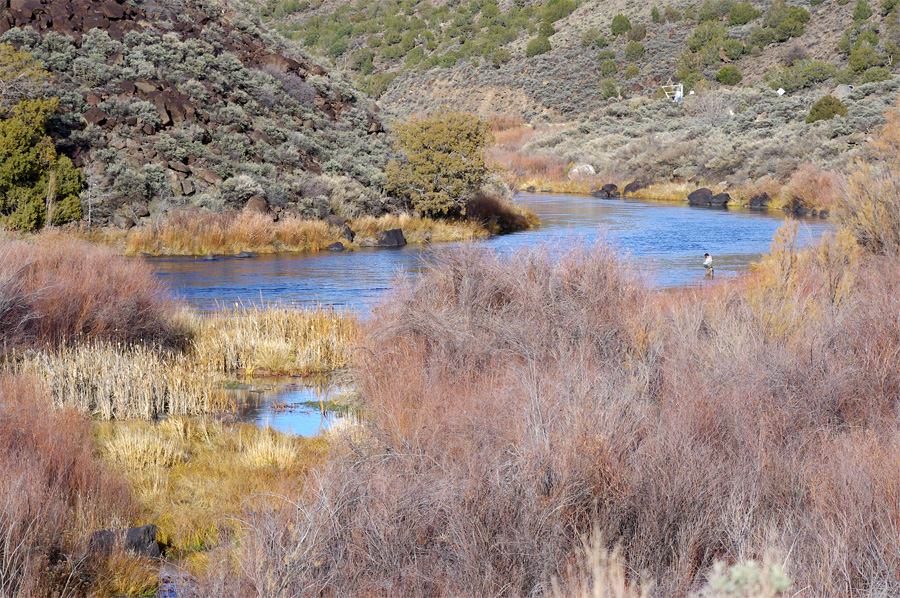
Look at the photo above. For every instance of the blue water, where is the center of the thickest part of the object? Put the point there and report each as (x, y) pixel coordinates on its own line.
(665, 240)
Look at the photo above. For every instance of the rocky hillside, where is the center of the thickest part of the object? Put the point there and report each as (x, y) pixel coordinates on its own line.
(170, 103)
(560, 59)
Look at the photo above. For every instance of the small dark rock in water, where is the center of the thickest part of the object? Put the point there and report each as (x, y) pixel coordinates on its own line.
(335, 247)
(530, 189)
(798, 209)
(823, 214)
(634, 187)
(209, 257)
(244, 255)
(138, 540)
(700, 197)
(391, 238)
(760, 202)
(608, 191)
(719, 200)
(145, 254)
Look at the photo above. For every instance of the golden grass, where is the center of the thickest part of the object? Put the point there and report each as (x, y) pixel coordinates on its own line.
(196, 233)
(274, 339)
(124, 382)
(221, 471)
(123, 574)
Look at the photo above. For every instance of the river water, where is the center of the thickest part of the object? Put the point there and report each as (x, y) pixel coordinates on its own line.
(664, 239)
(667, 240)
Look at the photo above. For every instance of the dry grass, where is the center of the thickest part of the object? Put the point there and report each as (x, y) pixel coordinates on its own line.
(125, 382)
(54, 492)
(199, 477)
(274, 339)
(200, 233)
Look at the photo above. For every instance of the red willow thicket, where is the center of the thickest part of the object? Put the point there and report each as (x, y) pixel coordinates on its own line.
(57, 290)
(518, 402)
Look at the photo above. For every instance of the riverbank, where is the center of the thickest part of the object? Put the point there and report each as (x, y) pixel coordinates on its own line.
(205, 233)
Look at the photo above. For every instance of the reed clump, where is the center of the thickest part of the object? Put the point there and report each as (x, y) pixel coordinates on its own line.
(125, 382)
(274, 339)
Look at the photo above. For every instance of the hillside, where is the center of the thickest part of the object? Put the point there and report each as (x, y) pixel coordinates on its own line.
(592, 95)
(170, 104)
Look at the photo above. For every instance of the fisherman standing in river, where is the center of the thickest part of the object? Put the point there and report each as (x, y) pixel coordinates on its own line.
(707, 263)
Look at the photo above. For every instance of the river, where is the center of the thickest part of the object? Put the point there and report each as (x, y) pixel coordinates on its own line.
(667, 240)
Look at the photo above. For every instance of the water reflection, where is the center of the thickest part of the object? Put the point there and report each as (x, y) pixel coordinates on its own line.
(666, 240)
(303, 409)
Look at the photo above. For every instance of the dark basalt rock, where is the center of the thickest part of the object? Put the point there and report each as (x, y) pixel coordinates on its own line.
(140, 541)
(760, 202)
(338, 246)
(719, 200)
(391, 238)
(242, 255)
(700, 197)
(633, 187)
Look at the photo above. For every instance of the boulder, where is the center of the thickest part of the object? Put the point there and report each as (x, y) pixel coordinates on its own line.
(700, 197)
(242, 255)
(338, 246)
(842, 91)
(95, 116)
(140, 210)
(208, 176)
(140, 541)
(208, 257)
(179, 167)
(257, 204)
(798, 208)
(530, 189)
(760, 202)
(391, 238)
(123, 221)
(823, 214)
(608, 191)
(633, 187)
(112, 10)
(347, 233)
(187, 187)
(581, 170)
(337, 221)
(719, 200)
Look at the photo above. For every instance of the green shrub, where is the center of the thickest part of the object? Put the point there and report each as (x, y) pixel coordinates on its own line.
(733, 48)
(634, 50)
(844, 76)
(671, 14)
(445, 161)
(537, 46)
(709, 33)
(608, 89)
(33, 177)
(608, 67)
(815, 2)
(606, 55)
(761, 37)
(631, 72)
(500, 57)
(888, 6)
(546, 29)
(742, 13)
(729, 75)
(875, 74)
(594, 38)
(803, 74)
(620, 25)
(637, 32)
(825, 109)
(654, 15)
(863, 58)
(861, 11)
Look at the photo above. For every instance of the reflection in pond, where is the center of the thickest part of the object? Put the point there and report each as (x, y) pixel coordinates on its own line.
(305, 409)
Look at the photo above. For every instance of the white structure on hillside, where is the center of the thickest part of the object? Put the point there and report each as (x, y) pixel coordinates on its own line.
(674, 92)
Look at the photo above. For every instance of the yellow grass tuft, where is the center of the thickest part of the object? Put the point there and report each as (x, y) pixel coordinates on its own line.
(274, 339)
(137, 447)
